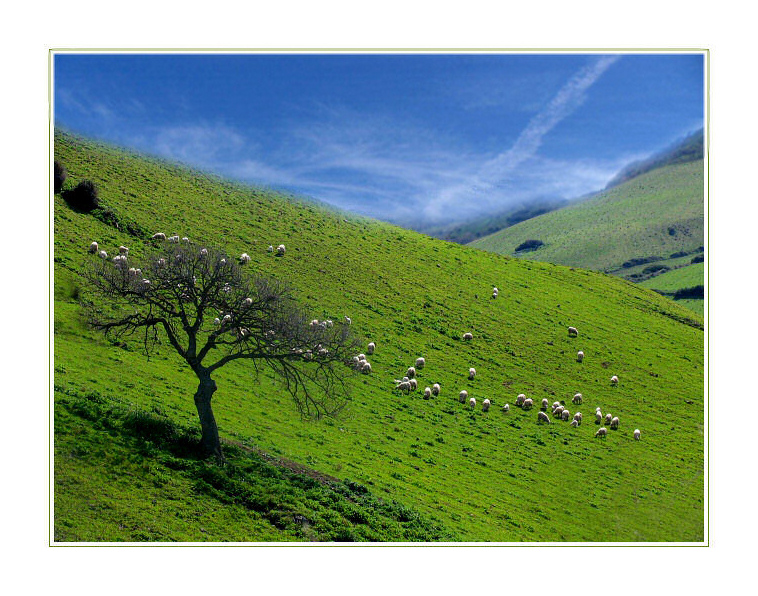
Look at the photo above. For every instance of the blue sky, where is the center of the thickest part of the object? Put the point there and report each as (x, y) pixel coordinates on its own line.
(412, 138)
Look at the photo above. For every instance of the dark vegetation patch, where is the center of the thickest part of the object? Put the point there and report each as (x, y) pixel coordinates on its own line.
(698, 259)
(83, 197)
(655, 269)
(639, 261)
(303, 506)
(693, 292)
(529, 245)
(59, 176)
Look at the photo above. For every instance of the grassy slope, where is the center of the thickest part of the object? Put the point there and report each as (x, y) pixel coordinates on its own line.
(628, 221)
(488, 476)
(684, 277)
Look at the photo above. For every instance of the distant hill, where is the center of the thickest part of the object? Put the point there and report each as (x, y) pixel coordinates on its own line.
(685, 151)
(467, 231)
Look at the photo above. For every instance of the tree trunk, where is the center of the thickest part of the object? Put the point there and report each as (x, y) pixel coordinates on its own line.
(210, 440)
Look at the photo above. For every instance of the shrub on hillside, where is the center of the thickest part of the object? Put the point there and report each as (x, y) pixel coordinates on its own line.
(698, 259)
(83, 197)
(694, 292)
(639, 261)
(655, 269)
(59, 176)
(529, 245)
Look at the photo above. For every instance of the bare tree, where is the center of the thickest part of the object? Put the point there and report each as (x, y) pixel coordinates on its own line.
(212, 313)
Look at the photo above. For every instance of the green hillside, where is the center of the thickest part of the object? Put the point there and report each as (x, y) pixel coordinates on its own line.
(653, 216)
(672, 281)
(392, 467)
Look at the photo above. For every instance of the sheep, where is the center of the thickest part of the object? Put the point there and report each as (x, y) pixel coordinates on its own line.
(348, 320)
(161, 262)
(598, 417)
(601, 432)
(217, 321)
(411, 372)
(119, 260)
(614, 380)
(244, 258)
(93, 248)
(222, 261)
(314, 323)
(574, 423)
(173, 239)
(542, 417)
(330, 324)
(468, 336)
(520, 399)
(427, 392)
(573, 332)
(280, 250)
(544, 403)
(472, 402)
(403, 386)
(420, 362)
(578, 418)
(556, 404)
(247, 302)
(463, 396)
(203, 252)
(159, 236)
(506, 408)
(636, 434)
(102, 254)
(565, 415)
(579, 356)
(226, 319)
(485, 405)
(494, 295)
(185, 239)
(370, 348)
(414, 384)
(471, 374)
(366, 368)
(436, 389)
(270, 248)
(608, 418)
(577, 399)
(361, 356)
(615, 423)
(528, 403)
(122, 250)
(132, 272)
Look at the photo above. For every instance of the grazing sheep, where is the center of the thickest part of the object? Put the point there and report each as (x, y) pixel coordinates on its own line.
(615, 423)
(369, 348)
(366, 368)
(361, 356)
(436, 389)
(223, 261)
(528, 403)
(330, 324)
(244, 258)
(217, 321)
(608, 418)
(102, 254)
(463, 396)
(565, 415)
(485, 405)
(159, 236)
(577, 399)
(93, 248)
(226, 319)
(247, 302)
(574, 423)
(636, 434)
(542, 417)
(598, 418)
(578, 418)
(414, 384)
(579, 356)
(601, 432)
(427, 392)
(403, 386)
(119, 260)
(411, 372)
(420, 362)
(558, 410)
(203, 252)
(494, 295)
(132, 272)
(348, 320)
(506, 408)
(520, 398)
(472, 402)
(314, 323)
(468, 336)
(280, 250)
(573, 332)
(161, 262)
(270, 248)
(471, 374)
(544, 403)
(122, 250)
(173, 239)
(614, 380)
(185, 239)
(556, 404)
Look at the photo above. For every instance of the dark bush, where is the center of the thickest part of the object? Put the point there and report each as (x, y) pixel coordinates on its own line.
(698, 259)
(694, 292)
(529, 245)
(640, 261)
(59, 175)
(83, 197)
(655, 269)
(681, 253)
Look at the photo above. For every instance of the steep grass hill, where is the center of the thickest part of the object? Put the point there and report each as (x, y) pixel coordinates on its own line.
(393, 467)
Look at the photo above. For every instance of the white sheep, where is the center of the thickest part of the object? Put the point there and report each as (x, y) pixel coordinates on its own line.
(463, 396)
(93, 248)
(427, 392)
(217, 321)
(161, 262)
(574, 423)
(330, 323)
(506, 408)
(414, 384)
(579, 356)
(565, 415)
(132, 272)
(614, 380)
(556, 404)
(348, 320)
(608, 418)
(159, 236)
(222, 261)
(436, 389)
(542, 417)
(544, 403)
(598, 417)
(203, 252)
(558, 411)
(270, 248)
(122, 250)
(578, 417)
(471, 374)
(468, 336)
(403, 386)
(226, 319)
(615, 423)
(173, 239)
(494, 295)
(370, 348)
(366, 368)
(361, 356)
(247, 302)
(472, 402)
(185, 239)
(485, 405)
(528, 403)
(244, 258)
(102, 254)
(573, 332)
(119, 260)
(411, 372)
(636, 434)
(601, 432)
(520, 399)
(420, 363)
(577, 399)
(280, 250)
